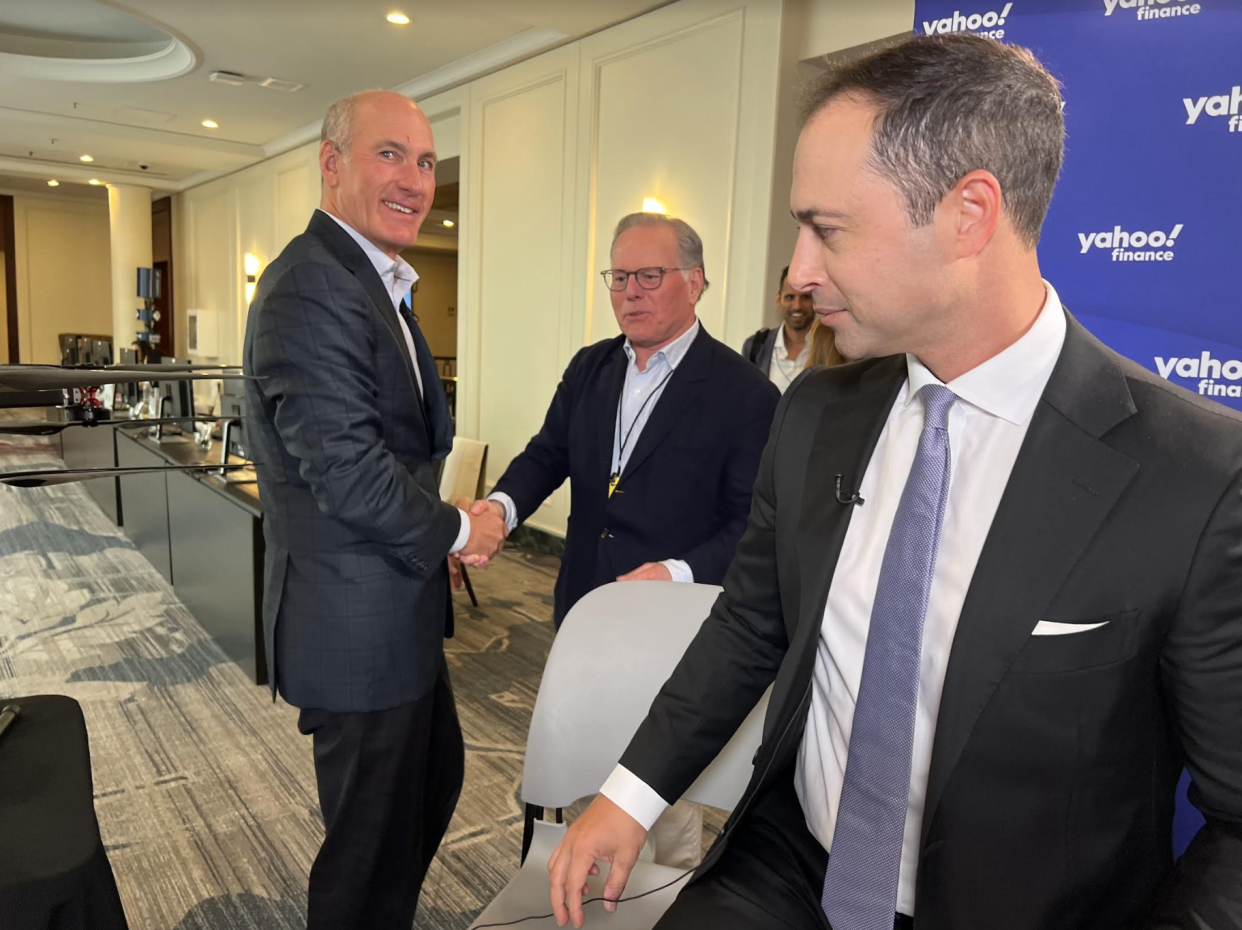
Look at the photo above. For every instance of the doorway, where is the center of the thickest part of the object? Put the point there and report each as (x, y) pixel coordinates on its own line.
(162, 264)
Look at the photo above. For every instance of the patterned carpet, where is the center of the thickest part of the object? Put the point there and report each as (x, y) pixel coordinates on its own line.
(204, 788)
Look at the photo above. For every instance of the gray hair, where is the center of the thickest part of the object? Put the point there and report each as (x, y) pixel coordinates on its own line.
(338, 122)
(949, 105)
(689, 245)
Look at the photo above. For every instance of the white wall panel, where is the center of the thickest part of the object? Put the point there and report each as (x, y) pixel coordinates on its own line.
(519, 219)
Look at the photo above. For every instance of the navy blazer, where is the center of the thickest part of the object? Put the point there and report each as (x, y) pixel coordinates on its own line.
(355, 595)
(685, 492)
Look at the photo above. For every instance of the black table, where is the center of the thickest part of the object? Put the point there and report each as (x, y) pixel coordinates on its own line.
(204, 534)
(54, 874)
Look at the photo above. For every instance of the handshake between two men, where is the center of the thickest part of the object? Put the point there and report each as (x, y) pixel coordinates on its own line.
(489, 528)
(488, 532)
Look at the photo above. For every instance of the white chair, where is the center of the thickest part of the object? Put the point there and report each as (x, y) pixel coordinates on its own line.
(616, 648)
(462, 476)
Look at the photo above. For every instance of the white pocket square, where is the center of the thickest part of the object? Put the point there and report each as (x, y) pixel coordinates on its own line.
(1052, 628)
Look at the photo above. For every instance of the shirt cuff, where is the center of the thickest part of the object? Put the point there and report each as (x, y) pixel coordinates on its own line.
(634, 796)
(463, 535)
(505, 501)
(681, 571)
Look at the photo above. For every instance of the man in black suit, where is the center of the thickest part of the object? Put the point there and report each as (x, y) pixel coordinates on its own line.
(659, 430)
(993, 571)
(346, 417)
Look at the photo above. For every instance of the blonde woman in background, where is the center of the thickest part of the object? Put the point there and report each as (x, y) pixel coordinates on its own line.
(823, 345)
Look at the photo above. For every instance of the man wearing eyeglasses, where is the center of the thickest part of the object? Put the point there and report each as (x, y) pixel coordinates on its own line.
(659, 430)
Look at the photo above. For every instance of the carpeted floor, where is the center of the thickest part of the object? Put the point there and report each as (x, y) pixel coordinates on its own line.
(204, 788)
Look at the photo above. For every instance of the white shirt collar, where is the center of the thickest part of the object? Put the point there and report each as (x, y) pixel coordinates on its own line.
(674, 352)
(397, 274)
(782, 352)
(1010, 383)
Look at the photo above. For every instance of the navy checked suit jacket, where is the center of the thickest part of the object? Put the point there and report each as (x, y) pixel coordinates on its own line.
(685, 491)
(356, 597)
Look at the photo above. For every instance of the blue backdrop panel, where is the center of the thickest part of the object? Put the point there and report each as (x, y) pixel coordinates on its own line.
(1143, 240)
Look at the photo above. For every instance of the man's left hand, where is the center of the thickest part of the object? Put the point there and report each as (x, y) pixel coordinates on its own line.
(651, 571)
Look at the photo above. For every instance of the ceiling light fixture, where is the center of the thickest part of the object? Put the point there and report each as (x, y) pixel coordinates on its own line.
(448, 223)
(53, 183)
(86, 158)
(211, 124)
(398, 19)
(95, 182)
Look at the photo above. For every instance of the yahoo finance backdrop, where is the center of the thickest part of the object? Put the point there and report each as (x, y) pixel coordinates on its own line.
(1143, 241)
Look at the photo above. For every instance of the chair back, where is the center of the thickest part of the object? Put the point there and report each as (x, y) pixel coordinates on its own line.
(614, 651)
(462, 475)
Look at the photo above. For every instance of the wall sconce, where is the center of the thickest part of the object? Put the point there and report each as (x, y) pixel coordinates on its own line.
(250, 263)
(651, 205)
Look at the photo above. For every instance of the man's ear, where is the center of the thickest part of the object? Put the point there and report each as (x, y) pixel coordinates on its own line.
(976, 205)
(698, 284)
(329, 163)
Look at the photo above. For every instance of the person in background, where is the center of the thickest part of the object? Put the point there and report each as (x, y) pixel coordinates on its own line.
(823, 343)
(783, 352)
(659, 431)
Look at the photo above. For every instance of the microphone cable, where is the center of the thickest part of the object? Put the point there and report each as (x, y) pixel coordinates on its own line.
(767, 768)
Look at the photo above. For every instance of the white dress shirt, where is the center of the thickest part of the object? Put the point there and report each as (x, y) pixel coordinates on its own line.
(987, 425)
(639, 396)
(782, 369)
(398, 276)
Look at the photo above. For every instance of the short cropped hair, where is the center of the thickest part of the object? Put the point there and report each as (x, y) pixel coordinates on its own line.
(949, 105)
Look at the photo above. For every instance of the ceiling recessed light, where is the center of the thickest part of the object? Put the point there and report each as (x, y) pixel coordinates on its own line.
(95, 181)
(211, 124)
(398, 19)
(86, 158)
(53, 183)
(449, 223)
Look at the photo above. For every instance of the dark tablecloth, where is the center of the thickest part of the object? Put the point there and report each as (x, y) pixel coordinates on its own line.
(54, 874)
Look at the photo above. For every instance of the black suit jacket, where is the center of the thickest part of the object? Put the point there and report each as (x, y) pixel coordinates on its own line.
(762, 352)
(355, 597)
(685, 491)
(1051, 789)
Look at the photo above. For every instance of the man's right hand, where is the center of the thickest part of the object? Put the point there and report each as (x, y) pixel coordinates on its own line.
(487, 535)
(604, 831)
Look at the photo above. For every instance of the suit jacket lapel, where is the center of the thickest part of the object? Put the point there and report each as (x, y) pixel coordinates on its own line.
(845, 438)
(678, 399)
(1063, 485)
(608, 388)
(350, 255)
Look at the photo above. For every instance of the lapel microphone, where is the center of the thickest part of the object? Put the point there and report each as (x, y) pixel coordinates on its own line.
(843, 498)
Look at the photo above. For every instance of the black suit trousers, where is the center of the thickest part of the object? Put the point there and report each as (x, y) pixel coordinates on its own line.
(771, 874)
(388, 783)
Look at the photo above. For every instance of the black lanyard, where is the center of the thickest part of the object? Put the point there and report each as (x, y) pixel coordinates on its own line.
(615, 478)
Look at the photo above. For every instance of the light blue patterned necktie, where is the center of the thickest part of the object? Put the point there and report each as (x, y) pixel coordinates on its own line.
(860, 886)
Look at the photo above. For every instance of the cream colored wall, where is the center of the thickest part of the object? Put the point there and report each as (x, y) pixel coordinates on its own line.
(834, 25)
(64, 278)
(436, 297)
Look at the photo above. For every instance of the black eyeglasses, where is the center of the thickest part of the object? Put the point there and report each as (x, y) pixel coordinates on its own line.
(649, 279)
